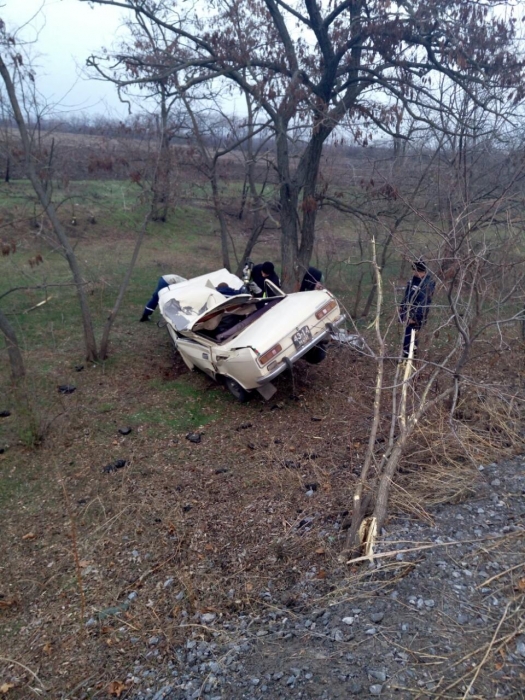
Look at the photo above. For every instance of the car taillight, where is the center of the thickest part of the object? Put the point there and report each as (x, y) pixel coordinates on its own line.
(263, 359)
(325, 309)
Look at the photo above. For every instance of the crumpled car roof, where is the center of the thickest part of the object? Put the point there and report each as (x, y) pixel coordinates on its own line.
(185, 303)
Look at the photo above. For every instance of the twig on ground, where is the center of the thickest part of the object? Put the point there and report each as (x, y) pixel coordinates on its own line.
(147, 573)
(395, 552)
(19, 663)
(487, 652)
(501, 573)
(78, 569)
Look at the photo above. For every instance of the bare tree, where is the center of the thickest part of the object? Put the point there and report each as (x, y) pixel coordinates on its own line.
(220, 139)
(481, 276)
(34, 173)
(38, 167)
(140, 56)
(309, 66)
(13, 349)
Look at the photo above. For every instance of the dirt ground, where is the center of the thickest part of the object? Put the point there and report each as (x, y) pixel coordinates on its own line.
(93, 556)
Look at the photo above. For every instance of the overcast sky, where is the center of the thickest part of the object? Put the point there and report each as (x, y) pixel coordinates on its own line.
(66, 33)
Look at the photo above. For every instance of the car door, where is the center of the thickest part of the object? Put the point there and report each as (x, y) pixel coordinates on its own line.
(196, 354)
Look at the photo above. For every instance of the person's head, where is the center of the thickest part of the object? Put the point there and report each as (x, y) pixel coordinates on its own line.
(267, 269)
(419, 267)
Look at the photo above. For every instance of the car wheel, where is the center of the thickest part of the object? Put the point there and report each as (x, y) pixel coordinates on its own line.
(315, 355)
(236, 390)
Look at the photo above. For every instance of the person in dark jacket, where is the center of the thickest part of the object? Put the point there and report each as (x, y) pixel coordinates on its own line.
(312, 280)
(259, 274)
(162, 283)
(415, 306)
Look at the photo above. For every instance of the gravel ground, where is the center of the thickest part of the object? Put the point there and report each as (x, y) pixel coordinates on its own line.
(441, 615)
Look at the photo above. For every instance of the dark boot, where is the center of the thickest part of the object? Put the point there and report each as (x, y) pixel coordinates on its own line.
(145, 317)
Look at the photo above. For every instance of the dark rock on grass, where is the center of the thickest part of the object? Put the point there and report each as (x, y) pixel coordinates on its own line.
(113, 466)
(222, 470)
(5, 414)
(126, 430)
(312, 487)
(316, 419)
(250, 446)
(194, 437)
(187, 508)
(79, 368)
(2, 450)
(66, 388)
(244, 426)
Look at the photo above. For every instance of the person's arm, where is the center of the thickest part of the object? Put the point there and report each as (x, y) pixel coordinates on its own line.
(403, 307)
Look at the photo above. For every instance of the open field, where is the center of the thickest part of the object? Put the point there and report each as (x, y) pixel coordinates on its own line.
(259, 505)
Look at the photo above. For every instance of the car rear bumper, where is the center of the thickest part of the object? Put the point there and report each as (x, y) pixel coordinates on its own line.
(288, 361)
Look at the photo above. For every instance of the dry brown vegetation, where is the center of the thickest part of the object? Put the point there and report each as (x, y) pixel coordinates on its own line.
(226, 519)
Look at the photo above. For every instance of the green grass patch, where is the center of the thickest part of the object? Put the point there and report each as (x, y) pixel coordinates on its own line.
(19, 482)
(187, 407)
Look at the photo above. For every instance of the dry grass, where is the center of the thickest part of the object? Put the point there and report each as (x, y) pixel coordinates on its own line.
(227, 519)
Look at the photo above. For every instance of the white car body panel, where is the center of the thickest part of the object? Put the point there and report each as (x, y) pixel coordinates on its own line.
(193, 310)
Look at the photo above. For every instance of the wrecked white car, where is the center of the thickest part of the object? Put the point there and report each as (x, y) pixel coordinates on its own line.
(243, 341)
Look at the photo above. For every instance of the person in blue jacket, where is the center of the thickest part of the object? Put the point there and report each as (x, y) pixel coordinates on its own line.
(415, 306)
(162, 283)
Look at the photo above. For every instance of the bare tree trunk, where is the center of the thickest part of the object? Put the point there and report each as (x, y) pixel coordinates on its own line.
(250, 245)
(298, 235)
(358, 512)
(225, 234)
(250, 186)
(104, 343)
(162, 177)
(308, 174)
(382, 265)
(13, 349)
(211, 172)
(47, 204)
(288, 215)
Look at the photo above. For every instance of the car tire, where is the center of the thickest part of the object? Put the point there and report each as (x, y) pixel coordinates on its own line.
(236, 390)
(315, 355)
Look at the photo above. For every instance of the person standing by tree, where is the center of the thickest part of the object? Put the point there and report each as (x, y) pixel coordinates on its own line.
(415, 306)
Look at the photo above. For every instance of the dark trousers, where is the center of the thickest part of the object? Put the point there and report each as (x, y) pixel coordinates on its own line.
(408, 334)
(154, 301)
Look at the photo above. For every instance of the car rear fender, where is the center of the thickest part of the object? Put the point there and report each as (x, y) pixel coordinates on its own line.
(239, 364)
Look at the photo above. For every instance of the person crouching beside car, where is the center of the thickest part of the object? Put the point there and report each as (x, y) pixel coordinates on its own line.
(162, 283)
